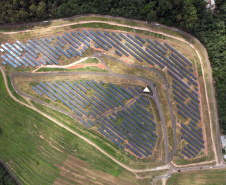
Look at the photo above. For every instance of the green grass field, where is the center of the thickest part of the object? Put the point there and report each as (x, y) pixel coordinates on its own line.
(93, 68)
(32, 146)
(199, 177)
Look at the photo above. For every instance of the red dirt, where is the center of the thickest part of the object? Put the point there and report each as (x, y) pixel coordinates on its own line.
(99, 65)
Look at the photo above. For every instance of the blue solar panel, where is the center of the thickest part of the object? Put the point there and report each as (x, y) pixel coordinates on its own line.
(112, 43)
(186, 154)
(96, 46)
(92, 113)
(163, 47)
(86, 124)
(79, 38)
(109, 137)
(145, 111)
(175, 51)
(103, 100)
(116, 41)
(99, 102)
(135, 140)
(95, 40)
(179, 96)
(192, 143)
(115, 126)
(72, 38)
(52, 48)
(45, 48)
(33, 60)
(120, 91)
(68, 94)
(116, 36)
(60, 44)
(62, 51)
(43, 51)
(28, 50)
(62, 100)
(182, 114)
(138, 149)
(138, 89)
(153, 59)
(86, 38)
(187, 113)
(111, 133)
(28, 61)
(86, 86)
(186, 107)
(132, 38)
(40, 93)
(14, 60)
(112, 118)
(181, 61)
(71, 53)
(193, 123)
(134, 151)
(91, 123)
(52, 37)
(82, 51)
(188, 151)
(194, 108)
(139, 112)
(192, 139)
(116, 115)
(63, 41)
(115, 93)
(47, 60)
(12, 48)
(179, 80)
(192, 133)
(76, 95)
(18, 47)
(132, 90)
(195, 130)
(80, 87)
(158, 48)
(32, 48)
(118, 53)
(98, 37)
(4, 63)
(48, 94)
(191, 148)
(48, 40)
(70, 41)
(186, 91)
(140, 39)
(43, 62)
(73, 49)
(129, 93)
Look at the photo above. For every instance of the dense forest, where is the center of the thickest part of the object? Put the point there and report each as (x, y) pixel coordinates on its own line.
(189, 15)
(5, 178)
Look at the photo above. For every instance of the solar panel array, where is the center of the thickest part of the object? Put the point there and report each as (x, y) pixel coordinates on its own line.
(136, 122)
(50, 50)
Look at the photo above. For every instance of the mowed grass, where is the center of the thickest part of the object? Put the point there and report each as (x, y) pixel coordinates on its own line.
(92, 68)
(199, 177)
(32, 146)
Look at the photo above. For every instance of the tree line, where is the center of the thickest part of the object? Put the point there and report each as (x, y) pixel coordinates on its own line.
(189, 15)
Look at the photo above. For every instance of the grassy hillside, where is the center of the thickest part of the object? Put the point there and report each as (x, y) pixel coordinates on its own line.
(35, 148)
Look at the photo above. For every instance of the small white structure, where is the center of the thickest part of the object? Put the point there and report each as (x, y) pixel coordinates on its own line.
(146, 90)
(224, 156)
(223, 141)
(211, 4)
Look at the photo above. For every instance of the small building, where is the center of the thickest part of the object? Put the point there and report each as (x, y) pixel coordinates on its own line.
(223, 141)
(210, 4)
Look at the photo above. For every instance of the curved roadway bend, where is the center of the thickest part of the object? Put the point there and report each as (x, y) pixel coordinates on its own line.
(168, 98)
(148, 82)
(75, 133)
(143, 28)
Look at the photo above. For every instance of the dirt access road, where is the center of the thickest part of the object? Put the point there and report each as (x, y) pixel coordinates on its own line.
(148, 29)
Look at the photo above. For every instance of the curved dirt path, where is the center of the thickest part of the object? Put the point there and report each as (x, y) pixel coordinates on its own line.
(75, 133)
(183, 40)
